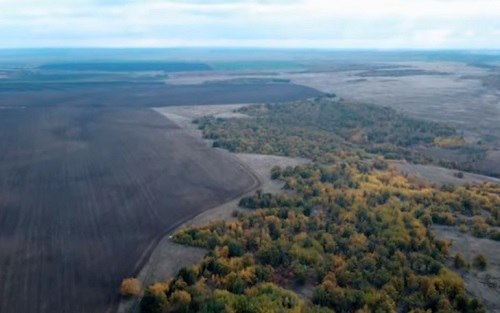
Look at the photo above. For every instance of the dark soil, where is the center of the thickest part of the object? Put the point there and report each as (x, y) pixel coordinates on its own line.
(83, 194)
(91, 177)
(152, 95)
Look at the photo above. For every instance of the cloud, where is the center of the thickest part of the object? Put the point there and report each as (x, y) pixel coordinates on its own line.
(312, 23)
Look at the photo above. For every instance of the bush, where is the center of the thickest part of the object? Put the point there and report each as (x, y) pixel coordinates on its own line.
(300, 272)
(155, 299)
(188, 275)
(180, 301)
(130, 287)
(380, 164)
(236, 249)
(494, 235)
(459, 261)
(480, 262)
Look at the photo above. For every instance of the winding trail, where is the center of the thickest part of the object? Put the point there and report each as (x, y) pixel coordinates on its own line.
(165, 258)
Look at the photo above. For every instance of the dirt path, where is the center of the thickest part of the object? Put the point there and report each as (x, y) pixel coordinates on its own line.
(168, 258)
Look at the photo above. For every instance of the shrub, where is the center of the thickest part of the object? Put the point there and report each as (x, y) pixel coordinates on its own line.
(188, 275)
(494, 235)
(480, 262)
(180, 301)
(459, 261)
(235, 248)
(130, 287)
(380, 164)
(155, 299)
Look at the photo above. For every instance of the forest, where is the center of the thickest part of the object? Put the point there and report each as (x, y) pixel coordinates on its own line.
(349, 234)
(327, 128)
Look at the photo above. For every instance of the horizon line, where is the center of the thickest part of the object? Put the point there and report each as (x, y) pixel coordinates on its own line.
(249, 48)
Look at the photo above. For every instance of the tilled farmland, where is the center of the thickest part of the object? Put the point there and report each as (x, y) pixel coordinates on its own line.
(91, 178)
(84, 192)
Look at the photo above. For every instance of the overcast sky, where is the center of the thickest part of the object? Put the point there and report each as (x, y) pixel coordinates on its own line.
(409, 24)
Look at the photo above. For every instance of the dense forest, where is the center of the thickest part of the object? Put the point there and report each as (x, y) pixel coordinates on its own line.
(349, 234)
(326, 129)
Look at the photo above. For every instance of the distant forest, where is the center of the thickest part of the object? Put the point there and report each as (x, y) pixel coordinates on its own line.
(326, 129)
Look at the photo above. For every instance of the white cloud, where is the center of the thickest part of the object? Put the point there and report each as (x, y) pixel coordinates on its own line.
(320, 23)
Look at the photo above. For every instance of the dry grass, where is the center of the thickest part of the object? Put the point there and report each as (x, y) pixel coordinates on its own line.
(484, 284)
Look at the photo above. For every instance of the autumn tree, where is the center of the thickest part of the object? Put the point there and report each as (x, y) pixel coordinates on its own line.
(130, 287)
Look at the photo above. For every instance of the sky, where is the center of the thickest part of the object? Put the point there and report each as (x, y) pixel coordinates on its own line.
(329, 24)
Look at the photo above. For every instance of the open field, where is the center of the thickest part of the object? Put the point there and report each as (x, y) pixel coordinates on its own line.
(91, 178)
(441, 176)
(142, 95)
(83, 194)
(183, 116)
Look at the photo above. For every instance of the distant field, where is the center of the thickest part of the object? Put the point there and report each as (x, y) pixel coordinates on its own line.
(127, 66)
(148, 95)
